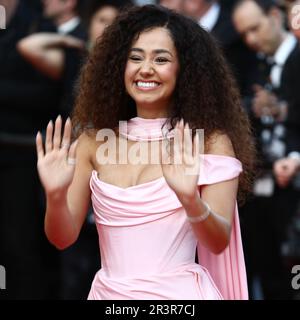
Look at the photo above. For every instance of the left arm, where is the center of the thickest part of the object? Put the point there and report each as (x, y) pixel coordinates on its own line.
(214, 231)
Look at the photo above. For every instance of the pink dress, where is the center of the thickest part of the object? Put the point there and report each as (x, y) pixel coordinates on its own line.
(148, 247)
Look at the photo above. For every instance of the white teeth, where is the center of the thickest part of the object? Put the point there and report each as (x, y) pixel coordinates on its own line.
(147, 84)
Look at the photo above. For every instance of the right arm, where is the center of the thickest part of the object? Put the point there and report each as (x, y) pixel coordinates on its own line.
(66, 185)
(45, 51)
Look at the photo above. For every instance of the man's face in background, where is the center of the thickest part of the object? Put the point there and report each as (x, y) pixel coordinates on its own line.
(54, 8)
(260, 30)
(176, 5)
(196, 8)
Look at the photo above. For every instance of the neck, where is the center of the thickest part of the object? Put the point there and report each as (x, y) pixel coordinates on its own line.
(148, 112)
(203, 9)
(151, 115)
(63, 18)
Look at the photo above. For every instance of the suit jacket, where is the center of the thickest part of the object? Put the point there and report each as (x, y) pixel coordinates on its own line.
(28, 99)
(243, 61)
(74, 59)
(79, 32)
(289, 91)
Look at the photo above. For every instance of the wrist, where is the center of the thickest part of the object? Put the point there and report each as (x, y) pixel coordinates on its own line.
(202, 214)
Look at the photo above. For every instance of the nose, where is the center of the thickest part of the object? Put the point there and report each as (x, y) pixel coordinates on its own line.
(147, 69)
(251, 39)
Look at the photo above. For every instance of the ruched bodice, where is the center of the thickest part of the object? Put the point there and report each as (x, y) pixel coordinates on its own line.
(147, 245)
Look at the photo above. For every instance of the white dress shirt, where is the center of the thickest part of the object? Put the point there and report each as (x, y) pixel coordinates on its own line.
(210, 18)
(68, 26)
(280, 57)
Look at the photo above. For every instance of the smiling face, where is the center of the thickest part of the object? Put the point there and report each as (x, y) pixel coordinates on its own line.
(151, 72)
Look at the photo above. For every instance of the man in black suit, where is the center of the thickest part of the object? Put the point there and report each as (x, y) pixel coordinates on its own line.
(27, 101)
(215, 17)
(276, 107)
(64, 14)
(286, 168)
(61, 65)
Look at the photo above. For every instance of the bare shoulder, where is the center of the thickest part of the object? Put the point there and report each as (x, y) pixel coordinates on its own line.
(220, 144)
(87, 137)
(86, 147)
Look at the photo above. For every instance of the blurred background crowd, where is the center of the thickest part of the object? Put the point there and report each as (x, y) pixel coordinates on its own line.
(42, 49)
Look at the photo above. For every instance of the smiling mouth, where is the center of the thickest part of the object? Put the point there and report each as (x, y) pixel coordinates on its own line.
(147, 85)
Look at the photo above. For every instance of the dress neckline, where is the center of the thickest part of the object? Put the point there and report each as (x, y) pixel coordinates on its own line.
(210, 158)
(95, 175)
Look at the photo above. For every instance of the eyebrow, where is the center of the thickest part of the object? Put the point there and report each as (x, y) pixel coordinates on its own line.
(156, 51)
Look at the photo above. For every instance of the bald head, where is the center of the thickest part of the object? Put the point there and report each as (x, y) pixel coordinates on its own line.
(265, 5)
(260, 24)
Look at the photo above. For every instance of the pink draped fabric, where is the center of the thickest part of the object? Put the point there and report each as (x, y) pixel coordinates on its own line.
(148, 247)
(228, 268)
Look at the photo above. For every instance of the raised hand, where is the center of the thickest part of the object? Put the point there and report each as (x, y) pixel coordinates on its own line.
(56, 165)
(284, 170)
(181, 166)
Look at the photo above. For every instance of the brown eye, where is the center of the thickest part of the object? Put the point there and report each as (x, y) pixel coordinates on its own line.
(135, 58)
(161, 60)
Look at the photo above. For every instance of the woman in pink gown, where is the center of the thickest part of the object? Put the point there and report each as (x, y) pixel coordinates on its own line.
(152, 68)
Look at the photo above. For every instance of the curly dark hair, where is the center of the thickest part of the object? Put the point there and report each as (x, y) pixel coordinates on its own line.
(206, 95)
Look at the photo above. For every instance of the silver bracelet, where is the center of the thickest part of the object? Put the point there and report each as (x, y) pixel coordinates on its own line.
(202, 216)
